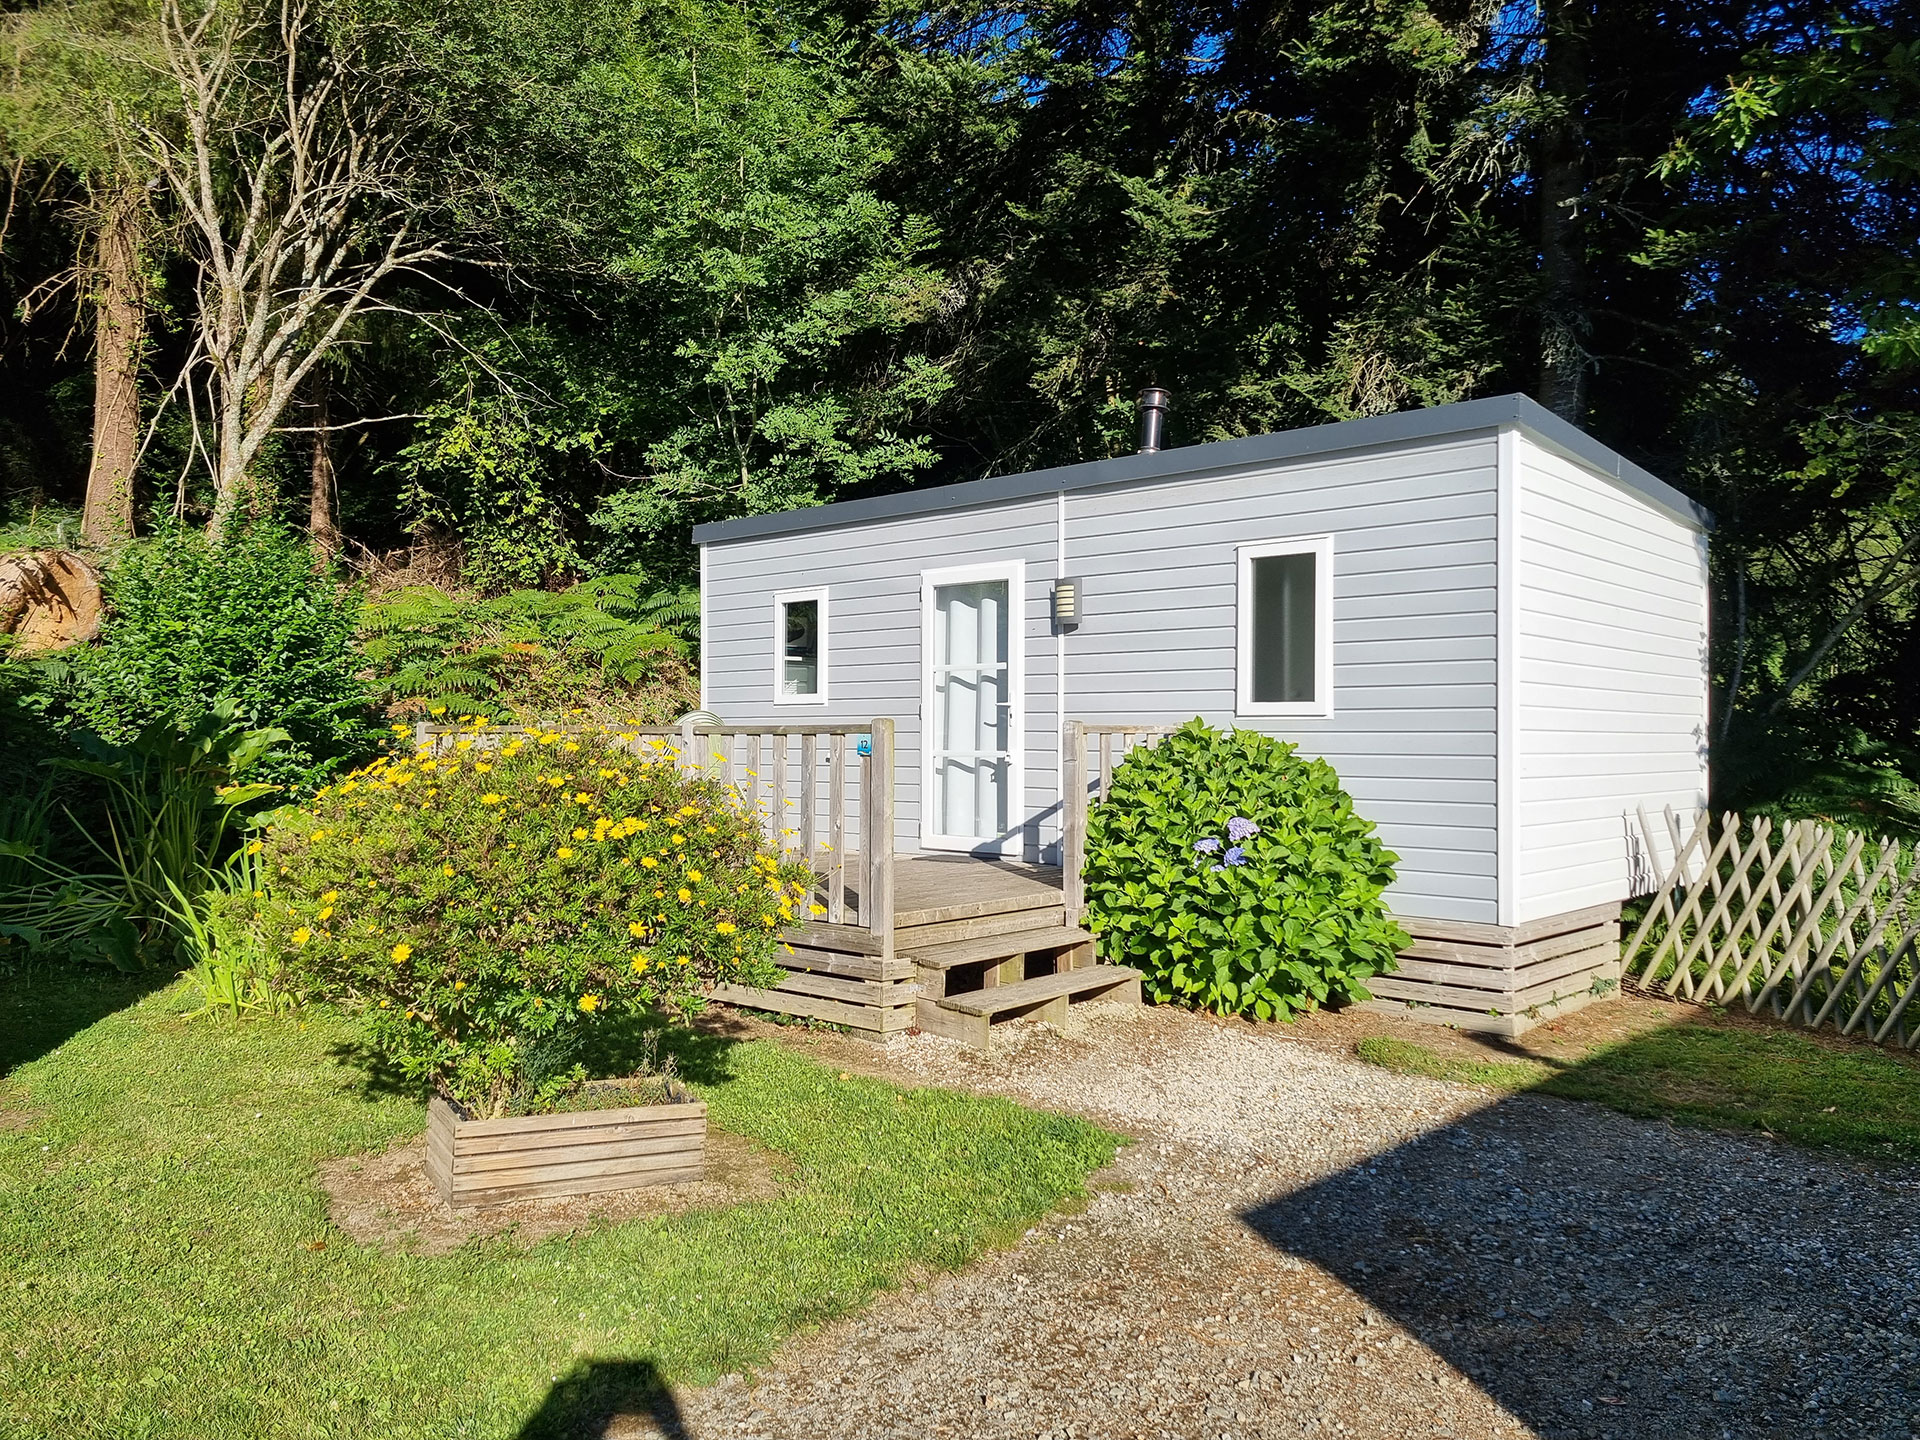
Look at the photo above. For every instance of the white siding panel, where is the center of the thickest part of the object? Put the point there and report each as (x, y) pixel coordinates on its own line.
(1612, 687)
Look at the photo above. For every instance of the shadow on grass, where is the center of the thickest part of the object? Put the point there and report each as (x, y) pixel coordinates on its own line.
(1599, 1276)
(43, 1005)
(588, 1401)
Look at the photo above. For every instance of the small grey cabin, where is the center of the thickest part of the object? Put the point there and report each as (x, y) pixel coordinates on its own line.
(1493, 626)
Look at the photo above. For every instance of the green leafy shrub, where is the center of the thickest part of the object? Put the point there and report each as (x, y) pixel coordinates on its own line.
(159, 818)
(1235, 874)
(481, 909)
(531, 651)
(257, 620)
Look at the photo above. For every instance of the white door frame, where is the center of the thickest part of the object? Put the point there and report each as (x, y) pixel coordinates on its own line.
(1014, 572)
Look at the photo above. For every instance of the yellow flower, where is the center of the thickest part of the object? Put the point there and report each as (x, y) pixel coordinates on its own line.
(725, 927)
(694, 876)
(767, 920)
(639, 964)
(491, 798)
(437, 710)
(582, 798)
(565, 852)
(326, 913)
(400, 953)
(255, 848)
(579, 832)
(399, 729)
(648, 861)
(685, 895)
(679, 839)
(636, 929)
(446, 870)
(482, 766)
(571, 745)
(589, 1003)
(302, 935)
(329, 897)
(459, 985)
(816, 909)
(684, 959)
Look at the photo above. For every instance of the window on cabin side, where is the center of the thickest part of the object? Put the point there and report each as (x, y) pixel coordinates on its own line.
(802, 630)
(1284, 630)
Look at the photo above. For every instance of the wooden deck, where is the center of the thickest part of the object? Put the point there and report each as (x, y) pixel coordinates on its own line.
(871, 983)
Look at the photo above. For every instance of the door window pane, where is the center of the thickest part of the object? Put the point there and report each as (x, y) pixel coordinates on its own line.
(800, 648)
(972, 714)
(1283, 627)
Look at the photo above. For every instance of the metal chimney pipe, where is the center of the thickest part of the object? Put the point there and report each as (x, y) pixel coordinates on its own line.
(1154, 404)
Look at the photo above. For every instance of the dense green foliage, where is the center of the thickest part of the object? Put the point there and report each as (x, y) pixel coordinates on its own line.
(1235, 874)
(532, 652)
(481, 907)
(156, 820)
(158, 1203)
(257, 620)
(707, 260)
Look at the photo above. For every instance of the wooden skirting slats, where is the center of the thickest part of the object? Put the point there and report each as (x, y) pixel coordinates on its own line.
(1503, 979)
(489, 1162)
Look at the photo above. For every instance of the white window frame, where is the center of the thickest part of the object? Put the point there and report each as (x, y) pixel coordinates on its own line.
(780, 603)
(1014, 572)
(1321, 548)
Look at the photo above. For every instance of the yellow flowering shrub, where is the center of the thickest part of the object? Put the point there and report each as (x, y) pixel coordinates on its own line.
(483, 906)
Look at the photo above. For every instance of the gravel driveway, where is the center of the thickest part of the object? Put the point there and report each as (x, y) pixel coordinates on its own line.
(1300, 1244)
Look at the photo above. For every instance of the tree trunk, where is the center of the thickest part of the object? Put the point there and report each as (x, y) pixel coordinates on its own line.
(320, 520)
(1559, 174)
(120, 330)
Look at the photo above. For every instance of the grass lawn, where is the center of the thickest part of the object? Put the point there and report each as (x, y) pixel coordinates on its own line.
(167, 1268)
(1817, 1092)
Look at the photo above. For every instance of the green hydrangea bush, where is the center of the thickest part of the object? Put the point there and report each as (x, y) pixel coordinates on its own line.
(1235, 875)
(482, 907)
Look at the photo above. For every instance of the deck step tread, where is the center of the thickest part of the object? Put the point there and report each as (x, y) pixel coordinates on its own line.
(998, 947)
(1038, 990)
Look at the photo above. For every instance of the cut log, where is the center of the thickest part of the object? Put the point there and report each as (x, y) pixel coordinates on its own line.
(49, 599)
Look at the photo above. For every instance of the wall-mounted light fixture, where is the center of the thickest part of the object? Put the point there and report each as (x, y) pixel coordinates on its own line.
(1067, 602)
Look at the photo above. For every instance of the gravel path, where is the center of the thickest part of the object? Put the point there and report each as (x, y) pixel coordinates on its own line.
(1300, 1244)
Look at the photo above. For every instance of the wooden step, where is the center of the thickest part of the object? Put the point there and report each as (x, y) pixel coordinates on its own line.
(969, 1018)
(997, 947)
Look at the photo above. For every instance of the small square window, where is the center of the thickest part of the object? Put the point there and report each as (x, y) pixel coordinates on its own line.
(1285, 638)
(800, 647)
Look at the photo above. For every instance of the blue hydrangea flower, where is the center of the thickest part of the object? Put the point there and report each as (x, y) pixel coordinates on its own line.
(1234, 856)
(1208, 846)
(1215, 869)
(1238, 829)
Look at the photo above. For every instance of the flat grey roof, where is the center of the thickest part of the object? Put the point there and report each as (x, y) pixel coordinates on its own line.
(1375, 430)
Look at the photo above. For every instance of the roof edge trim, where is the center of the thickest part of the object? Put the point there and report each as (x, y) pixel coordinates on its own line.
(1401, 427)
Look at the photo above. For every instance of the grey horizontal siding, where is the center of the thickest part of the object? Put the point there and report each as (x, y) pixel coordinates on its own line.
(1412, 733)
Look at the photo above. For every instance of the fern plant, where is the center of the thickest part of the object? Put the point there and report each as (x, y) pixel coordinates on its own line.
(432, 652)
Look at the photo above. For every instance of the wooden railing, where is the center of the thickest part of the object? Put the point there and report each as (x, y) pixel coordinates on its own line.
(1815, 925)
(1092, 752)
(823, 793)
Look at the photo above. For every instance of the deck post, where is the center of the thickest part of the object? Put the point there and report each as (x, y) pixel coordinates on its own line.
(876, 837)
(1073, 819)
(689, 765)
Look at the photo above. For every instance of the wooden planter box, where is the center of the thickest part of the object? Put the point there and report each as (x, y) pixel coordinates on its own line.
(489, 1162)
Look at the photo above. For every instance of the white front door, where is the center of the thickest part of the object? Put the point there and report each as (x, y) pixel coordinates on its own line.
(973, 652)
